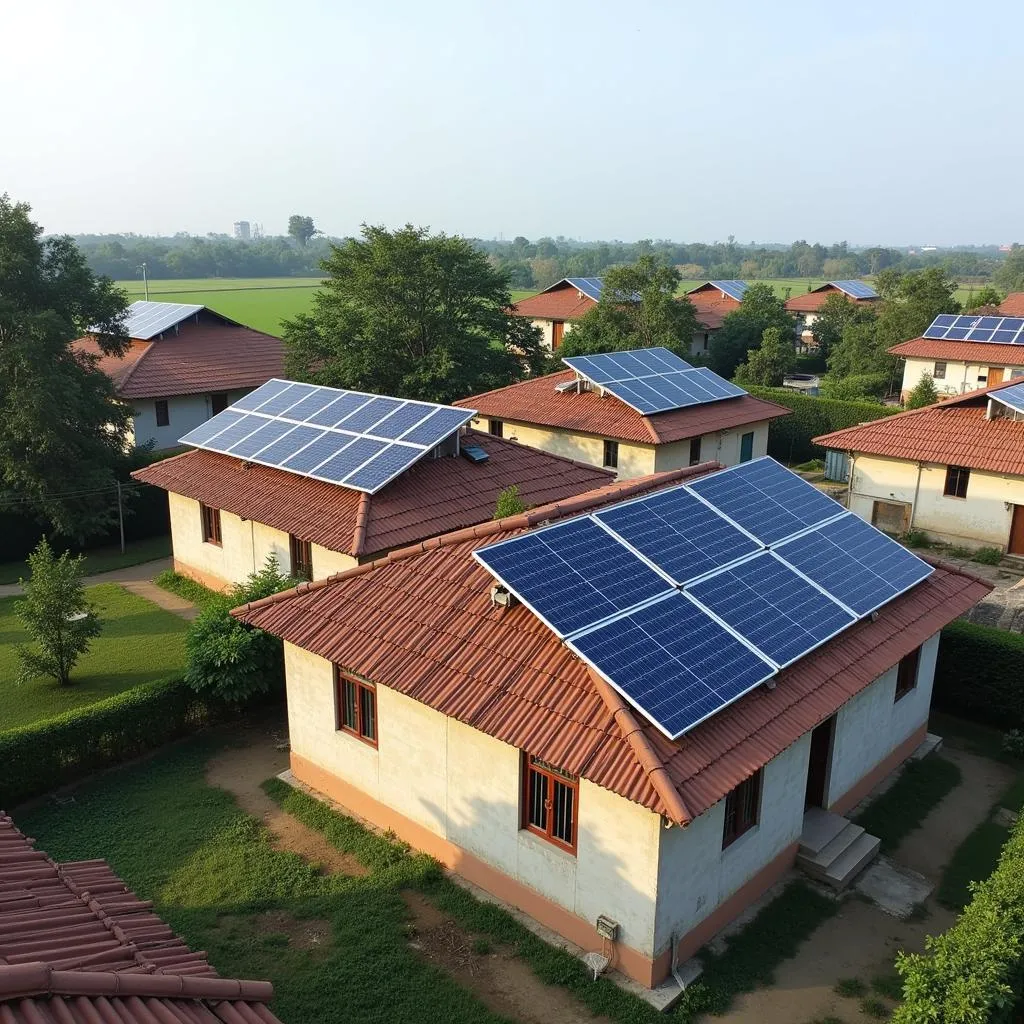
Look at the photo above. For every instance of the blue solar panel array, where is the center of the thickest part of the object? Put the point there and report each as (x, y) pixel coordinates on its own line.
(855, 289)
(590, 286)
(688, 598)
(1012, 396)
(653, 380)
(999, 330)
(344, 437)
(734, 289)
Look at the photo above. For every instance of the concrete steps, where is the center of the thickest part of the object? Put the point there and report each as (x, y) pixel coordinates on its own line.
(833, 850)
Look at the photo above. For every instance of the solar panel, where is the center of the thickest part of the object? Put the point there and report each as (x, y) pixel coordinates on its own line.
(855, 289)
(855, 563)
(295, 426)
(1000, 330)
(145, 320)
(672, 662)
(1012, 396)
(590, 286)
(775, 609)
(572, 575)
(734, 289)
(765, 499)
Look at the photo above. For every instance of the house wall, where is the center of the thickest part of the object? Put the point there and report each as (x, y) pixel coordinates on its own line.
(702, 341)
(723, 446)
(426, 768)
(960, 376)
(547, 331)
(184, 413)
(979, 520)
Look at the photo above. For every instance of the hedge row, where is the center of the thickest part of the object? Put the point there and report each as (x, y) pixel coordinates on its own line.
(973, 973)
(789, 438)
(978, 675)
(37, 758)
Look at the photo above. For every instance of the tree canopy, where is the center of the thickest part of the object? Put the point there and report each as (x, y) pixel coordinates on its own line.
(834, 317)
(912, 301)
(62, 438)
(300, 228)
(743, 328)
(638, 309)
(986, 296)
(924, 393)
(768, 364)
(1010, 276)
(411, 314)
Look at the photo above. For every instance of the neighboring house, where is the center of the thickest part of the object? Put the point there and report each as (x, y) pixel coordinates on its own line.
(184, 364)
(77, 946)
(556, 308)
(1013, 304)
(807, 307)
(713, 302)
(567, 415)
(407, 675)
(954, 470)
(964, 353)
(229, 513)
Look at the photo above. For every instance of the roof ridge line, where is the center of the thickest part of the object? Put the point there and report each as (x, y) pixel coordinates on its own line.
(131, 369)
(362, 522)
(464, 403)
(524, 520)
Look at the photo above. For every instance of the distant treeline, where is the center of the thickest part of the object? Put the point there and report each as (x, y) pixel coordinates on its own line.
(528, 264)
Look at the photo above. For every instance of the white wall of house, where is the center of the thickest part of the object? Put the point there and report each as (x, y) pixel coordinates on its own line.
(981, 519)
(427, 768)
(328, 563)
(723, 446)
(185, 412)
(959, 376)
(546, 328)
(702, 341)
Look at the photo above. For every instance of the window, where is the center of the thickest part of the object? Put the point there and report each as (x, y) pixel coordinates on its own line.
(707, 338)
(497, 428)
(611, 455)
(694, 450)
(355, 707)
(747, 447)
(211, 524)
(742, 807)
(163, 414)
(906, 674)
(956, 481)
(218, 403)
(939, 373)
(302, 558)
(549, 802)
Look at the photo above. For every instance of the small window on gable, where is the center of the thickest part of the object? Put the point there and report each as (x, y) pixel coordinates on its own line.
(611, 455)
(694, 450)
(497, 428)
(939, 373)
(957, 478)
(302, 558)
(211, 524)
(550, 802)
(906, 674)
(742, 807)
(355, 707)
(163, 413)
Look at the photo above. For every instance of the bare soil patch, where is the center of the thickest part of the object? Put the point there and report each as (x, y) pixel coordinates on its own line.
(303, 933)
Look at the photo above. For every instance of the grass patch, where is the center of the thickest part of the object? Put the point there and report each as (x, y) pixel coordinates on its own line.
(987, 556)
(140, 643)
(974, 737)
(874, 1008)
(102, 559)
(186, 587)
(902, 807)
(956, 551)
(850, 988)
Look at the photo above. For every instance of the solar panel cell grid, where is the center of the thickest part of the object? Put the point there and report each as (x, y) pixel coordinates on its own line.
(283, 400)
(320, 449)
(231, 435)
(309, 405)
(296, 438)
(205, 432)
(440, 424)
(349, 459)
(344, 405)
(270, 431)
(1013, 397)
(1005, 330)
(381, 468)
(395, 424)
(364, 418)
(256, 398)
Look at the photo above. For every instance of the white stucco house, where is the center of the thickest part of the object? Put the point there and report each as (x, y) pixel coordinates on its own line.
(184, 363)
(406, 675)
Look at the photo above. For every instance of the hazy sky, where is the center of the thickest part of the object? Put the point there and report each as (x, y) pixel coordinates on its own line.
(896, 121)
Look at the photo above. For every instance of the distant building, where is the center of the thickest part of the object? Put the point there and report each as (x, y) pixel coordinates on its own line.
(807, 307)
(713, 301)
(242, 230)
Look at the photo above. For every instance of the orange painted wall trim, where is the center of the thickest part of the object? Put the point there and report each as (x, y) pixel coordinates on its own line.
(860, 789)
(208, 579)
(627, 960)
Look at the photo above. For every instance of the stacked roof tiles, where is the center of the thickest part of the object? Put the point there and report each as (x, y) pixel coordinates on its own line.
(77, 945)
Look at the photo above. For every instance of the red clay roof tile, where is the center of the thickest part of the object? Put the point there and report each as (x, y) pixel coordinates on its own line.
(980, 352)
(1013, 304)
(811, 302)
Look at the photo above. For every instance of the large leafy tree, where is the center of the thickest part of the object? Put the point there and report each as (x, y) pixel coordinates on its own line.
(837, 313)
(985, 296)
(61, 440)
(1010, 276)
(912, 301)
(638, 309)
(411, 314)
(301, 229)
(769, 363)
(743, 328)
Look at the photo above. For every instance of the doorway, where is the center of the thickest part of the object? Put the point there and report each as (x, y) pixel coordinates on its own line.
(995, 375)
(557, 333)
(819, 763)
(1016, 545)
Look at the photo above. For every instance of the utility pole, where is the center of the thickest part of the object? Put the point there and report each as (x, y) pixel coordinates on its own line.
(120, 514)
(145, 280)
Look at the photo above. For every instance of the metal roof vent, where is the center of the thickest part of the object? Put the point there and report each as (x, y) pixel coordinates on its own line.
(502, 596)
(474, 453)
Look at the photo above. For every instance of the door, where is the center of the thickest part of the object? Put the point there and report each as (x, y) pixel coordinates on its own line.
(747, 447)
(995, 375)
(818, 765)
(1016, 546)
(557, 333)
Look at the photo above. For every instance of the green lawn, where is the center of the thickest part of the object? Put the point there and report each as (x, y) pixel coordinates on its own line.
(103, 559)
(139, 643)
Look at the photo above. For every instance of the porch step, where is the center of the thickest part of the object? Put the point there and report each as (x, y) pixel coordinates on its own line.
(834, 850)
(820, 828)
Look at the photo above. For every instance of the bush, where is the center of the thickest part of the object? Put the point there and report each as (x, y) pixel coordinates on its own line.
(916, 539)
(789, 438)
(987, 556)
(42, 756)
(978, 674)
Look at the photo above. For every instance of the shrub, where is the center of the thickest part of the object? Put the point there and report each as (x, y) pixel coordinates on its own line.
(186, 587)
(987, 556)
(1013, 743)
(924, 393)
(789, 438)
(978, 674)
(509, 503)
(916, 539)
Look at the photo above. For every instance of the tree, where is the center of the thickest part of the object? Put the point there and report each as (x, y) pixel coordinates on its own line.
(638, 309)
(912, 301)
(411, 314)
(301, 229)
(924, 393)
(986, 296)
(57, 615)
(63, 429)
(229, 659)
(860, 352)
(1010, 276)
(858, 387)
(768, 364)
(509, 503)
(743, 328)
(835, 315)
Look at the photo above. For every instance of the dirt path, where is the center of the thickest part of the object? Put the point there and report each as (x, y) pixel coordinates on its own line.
(861, 941)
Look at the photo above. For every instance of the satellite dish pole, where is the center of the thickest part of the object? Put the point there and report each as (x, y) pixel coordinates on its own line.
(145, 280)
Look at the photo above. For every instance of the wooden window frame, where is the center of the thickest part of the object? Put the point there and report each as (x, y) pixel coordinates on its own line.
(955, 477)
(209, 517)
(936, 373)
(610, 455)
(301, 554)
(496, 428)
(343, 680)
(906, 674)
(742, 809)
(555, 777)
(695, 451)
(162, 411)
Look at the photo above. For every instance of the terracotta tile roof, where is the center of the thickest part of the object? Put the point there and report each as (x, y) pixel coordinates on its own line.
(954, 432)
(1013, 304)
(77, 945)
(421, 622)
(561, 302)
(432, 497)
(207, 356)
(980, 352)
(811, 302)
(712, 307)
(537, 401)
